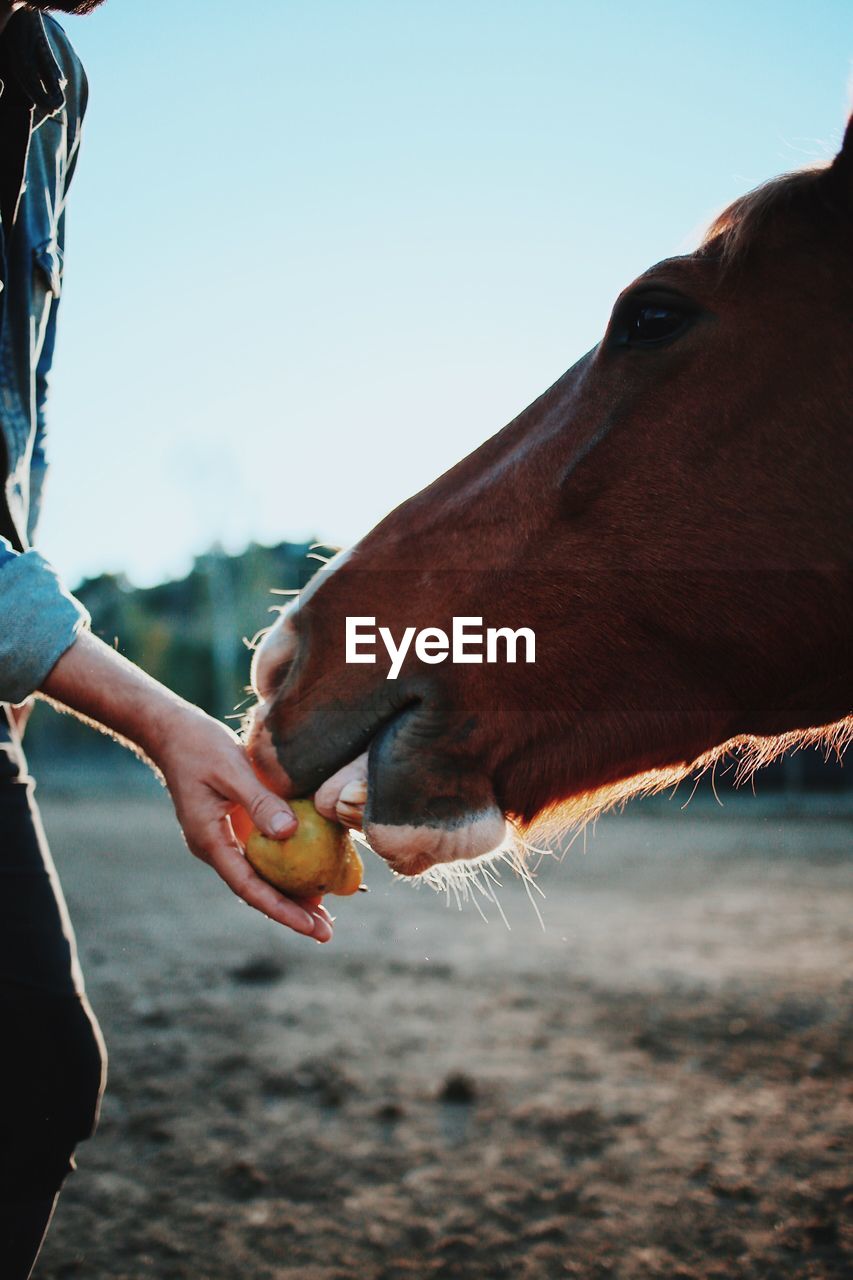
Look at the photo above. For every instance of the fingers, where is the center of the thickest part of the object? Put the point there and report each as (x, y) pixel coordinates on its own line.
(350, 807)
(317, 908)
(310, 918)
(241, 825)
(268, 812)
(211, 779)
(343, 796)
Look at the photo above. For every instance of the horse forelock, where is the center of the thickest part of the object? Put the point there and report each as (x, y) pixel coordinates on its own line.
(824, 187)
(746, 222)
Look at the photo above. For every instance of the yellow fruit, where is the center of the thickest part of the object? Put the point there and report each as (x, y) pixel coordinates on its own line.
(319, 858)
(242, 824)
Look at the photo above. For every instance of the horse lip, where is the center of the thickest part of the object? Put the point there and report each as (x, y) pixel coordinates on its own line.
(263, 734)
(409, 869)
(261, 750)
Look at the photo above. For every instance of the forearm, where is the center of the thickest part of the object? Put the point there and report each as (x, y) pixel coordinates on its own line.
(99, 685)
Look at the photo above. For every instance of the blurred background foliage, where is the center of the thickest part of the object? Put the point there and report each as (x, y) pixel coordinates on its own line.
(193, 634)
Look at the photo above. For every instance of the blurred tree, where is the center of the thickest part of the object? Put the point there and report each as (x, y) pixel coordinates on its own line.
(192, 634)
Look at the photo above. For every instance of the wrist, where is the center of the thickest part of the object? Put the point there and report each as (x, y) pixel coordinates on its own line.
(167, 722)
(160, 723)
(102, 687)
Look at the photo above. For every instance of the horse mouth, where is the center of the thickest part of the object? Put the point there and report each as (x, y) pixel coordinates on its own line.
(414, 815)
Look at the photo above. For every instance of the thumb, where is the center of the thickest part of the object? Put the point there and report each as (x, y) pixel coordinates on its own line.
(268, 812)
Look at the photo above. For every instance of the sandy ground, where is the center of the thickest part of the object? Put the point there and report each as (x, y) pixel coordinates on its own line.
(656, 1084)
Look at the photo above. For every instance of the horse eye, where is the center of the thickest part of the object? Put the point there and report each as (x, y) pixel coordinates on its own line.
(641, 321)
(654, 324)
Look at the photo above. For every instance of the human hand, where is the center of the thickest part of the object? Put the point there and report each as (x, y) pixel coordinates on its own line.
(209, 775)
(203, 763)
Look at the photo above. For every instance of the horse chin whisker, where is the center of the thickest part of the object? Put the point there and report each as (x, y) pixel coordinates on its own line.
(478, 880)
(522, 850)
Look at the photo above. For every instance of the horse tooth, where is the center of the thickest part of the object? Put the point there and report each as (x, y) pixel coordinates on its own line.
(354, 793)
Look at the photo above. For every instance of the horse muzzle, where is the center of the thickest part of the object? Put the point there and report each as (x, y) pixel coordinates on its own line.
(425, 803)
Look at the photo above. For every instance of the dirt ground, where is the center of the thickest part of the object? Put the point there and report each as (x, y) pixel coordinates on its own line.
(656, 1084)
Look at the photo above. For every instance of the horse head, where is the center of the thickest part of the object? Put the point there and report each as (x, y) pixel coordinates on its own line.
(672, 518)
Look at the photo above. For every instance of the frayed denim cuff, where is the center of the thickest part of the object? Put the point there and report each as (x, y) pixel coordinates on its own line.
(39, 620)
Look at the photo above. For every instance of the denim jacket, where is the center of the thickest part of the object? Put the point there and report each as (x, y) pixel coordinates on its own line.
(45, 90)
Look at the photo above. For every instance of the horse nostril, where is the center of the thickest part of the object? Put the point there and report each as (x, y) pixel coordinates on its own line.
(278, 676)
(273, 658)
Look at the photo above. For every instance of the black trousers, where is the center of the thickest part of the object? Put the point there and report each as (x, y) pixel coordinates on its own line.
(52, 1058)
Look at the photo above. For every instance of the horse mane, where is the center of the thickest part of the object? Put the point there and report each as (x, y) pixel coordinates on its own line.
(746, 221)
(747, 754)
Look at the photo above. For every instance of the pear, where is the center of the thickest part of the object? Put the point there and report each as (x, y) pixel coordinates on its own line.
(318, 858)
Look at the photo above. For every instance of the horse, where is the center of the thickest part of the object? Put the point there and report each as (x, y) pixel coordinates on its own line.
(673, 519)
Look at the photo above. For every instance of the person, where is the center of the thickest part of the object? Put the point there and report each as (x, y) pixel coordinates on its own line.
(53, 1060)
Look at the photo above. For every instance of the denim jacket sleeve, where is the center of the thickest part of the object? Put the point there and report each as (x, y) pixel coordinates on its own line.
(38, 463)
(39, 620)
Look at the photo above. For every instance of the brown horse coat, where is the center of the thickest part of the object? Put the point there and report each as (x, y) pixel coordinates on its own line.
(673, 518)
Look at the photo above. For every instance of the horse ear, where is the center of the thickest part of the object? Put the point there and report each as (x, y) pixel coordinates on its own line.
(841, 169)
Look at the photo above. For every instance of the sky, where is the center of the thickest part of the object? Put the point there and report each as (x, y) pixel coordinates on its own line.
(319, 250)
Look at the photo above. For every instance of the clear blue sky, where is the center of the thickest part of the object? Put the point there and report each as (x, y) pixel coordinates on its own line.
(319, 250)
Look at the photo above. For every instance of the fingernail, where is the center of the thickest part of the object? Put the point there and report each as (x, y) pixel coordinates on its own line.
(281, 823)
